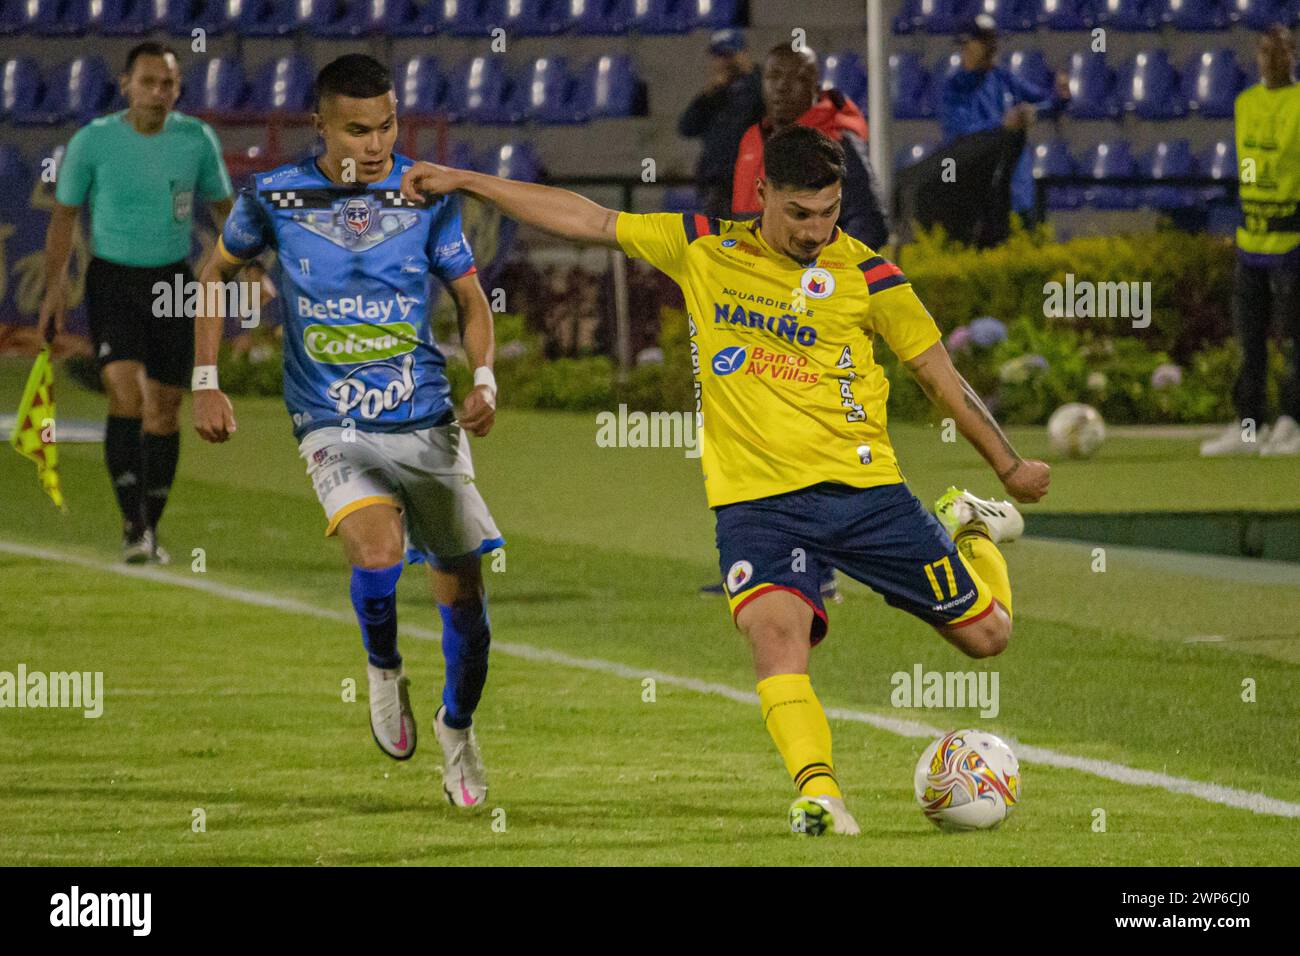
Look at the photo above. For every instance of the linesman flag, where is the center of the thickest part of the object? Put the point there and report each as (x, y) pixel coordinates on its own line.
(33, 434)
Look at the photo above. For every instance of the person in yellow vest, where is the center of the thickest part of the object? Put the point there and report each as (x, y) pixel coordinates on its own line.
(1268, 252)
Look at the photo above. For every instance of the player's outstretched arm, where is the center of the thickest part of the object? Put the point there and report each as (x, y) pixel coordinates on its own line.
(475, 317)
(557, 211)
(214, 416)
(1024, 479)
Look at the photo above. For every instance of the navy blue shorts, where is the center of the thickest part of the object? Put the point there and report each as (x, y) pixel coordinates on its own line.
(881, 536)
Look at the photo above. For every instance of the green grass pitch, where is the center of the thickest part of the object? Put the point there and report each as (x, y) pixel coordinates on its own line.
(213, 703)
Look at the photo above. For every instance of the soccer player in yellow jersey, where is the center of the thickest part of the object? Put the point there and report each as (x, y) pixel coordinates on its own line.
(783, 312)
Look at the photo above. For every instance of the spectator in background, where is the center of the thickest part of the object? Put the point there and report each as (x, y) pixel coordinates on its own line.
(730, 103)
(1267, 118)
(792, 95)
(985, 112)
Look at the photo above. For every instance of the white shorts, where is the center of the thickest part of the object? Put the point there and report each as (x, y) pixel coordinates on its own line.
(426, 474)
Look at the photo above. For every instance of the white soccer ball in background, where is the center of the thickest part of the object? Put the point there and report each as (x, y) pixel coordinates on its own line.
(1076, 430)
(967, 780)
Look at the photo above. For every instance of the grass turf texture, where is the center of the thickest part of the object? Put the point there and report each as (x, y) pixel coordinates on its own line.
(237, 710)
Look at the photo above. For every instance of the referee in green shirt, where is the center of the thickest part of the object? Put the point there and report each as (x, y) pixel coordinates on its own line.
(140, 172)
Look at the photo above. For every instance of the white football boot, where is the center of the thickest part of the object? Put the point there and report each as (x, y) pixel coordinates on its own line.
(138, 551)
(157, 553)
(391, 722)
(464, 780)
(957, 509)
(1231, 441)
(814, 816)
(1284, 440)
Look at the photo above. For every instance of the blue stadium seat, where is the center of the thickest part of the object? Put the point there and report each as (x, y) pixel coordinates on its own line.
(1052, 158)
(1262, 14)
(336, 19)
(597, 17)
(421, 89)
(215, 85)
(1031, 67)
(609, 87)
(1013, 15)
(712, 14)
(180, 17)
(1128, 16)
(264, 18)
(1092, 87)
(1104, 161)
(12, 17)
(464, 17)
(1150, 88)
(21, 90)
(78, 90)
(1219, 161)
(680, 199)
(117, 18)
(547, 92)
(1167, 159)
(55, 18)
(18, 179)
(283, 85)
(413, 18)
(1211, 82)
(844, 72)
(944, 16)
(908, 86)
(513, 161)
(911, 155)
(1067, 14)
(478, 91)
(530, 18)
(461, 156)
(657, 16)
(1196, 15)
(908, 18)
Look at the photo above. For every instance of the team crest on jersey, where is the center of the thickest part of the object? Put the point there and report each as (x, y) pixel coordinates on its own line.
(728, 243)
(817, 282)
(739, 576)
(356, 215)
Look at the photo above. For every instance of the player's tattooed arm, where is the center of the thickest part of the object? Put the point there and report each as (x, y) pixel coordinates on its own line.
(1025, 479)
(557, 211)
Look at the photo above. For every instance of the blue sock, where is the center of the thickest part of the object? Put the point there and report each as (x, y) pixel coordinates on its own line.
(374, 596)
(465, 638)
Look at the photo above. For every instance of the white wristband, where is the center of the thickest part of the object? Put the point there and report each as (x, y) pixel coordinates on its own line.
(205, 377)
(483, 376)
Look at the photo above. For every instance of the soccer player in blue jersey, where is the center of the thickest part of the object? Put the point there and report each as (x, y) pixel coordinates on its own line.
(367, 390)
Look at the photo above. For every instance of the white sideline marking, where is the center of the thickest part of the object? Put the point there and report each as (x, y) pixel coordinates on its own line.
(1211, 792)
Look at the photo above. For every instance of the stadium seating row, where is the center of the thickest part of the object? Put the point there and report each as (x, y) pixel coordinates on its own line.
(354, 18)
(1148, 86)
(1115, 158)
(944, 16)
(482, 89)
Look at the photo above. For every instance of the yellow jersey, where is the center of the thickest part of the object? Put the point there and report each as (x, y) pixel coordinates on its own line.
(787, 389)
(1268, 157)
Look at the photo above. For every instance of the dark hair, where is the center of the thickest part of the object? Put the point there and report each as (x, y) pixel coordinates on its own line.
(147, 48)
(800, 157)
(806, 54)
(353, 74)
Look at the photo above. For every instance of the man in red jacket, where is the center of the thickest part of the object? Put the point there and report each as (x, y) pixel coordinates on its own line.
(792, 95)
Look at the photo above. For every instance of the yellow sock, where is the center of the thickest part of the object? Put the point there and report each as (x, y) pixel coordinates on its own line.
(984, 558)
(795, 719)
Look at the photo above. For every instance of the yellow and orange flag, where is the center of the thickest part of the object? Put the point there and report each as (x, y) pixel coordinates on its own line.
(36, 423)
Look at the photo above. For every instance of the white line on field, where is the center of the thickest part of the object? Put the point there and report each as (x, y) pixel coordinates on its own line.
(1212, 792)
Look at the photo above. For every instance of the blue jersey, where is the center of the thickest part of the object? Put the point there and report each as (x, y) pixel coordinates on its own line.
(355, 283)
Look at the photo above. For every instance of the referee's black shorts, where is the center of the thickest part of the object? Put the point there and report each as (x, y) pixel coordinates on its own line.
(120, 309)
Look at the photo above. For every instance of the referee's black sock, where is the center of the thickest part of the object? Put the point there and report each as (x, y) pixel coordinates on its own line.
(122, 455)
(159, 454)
